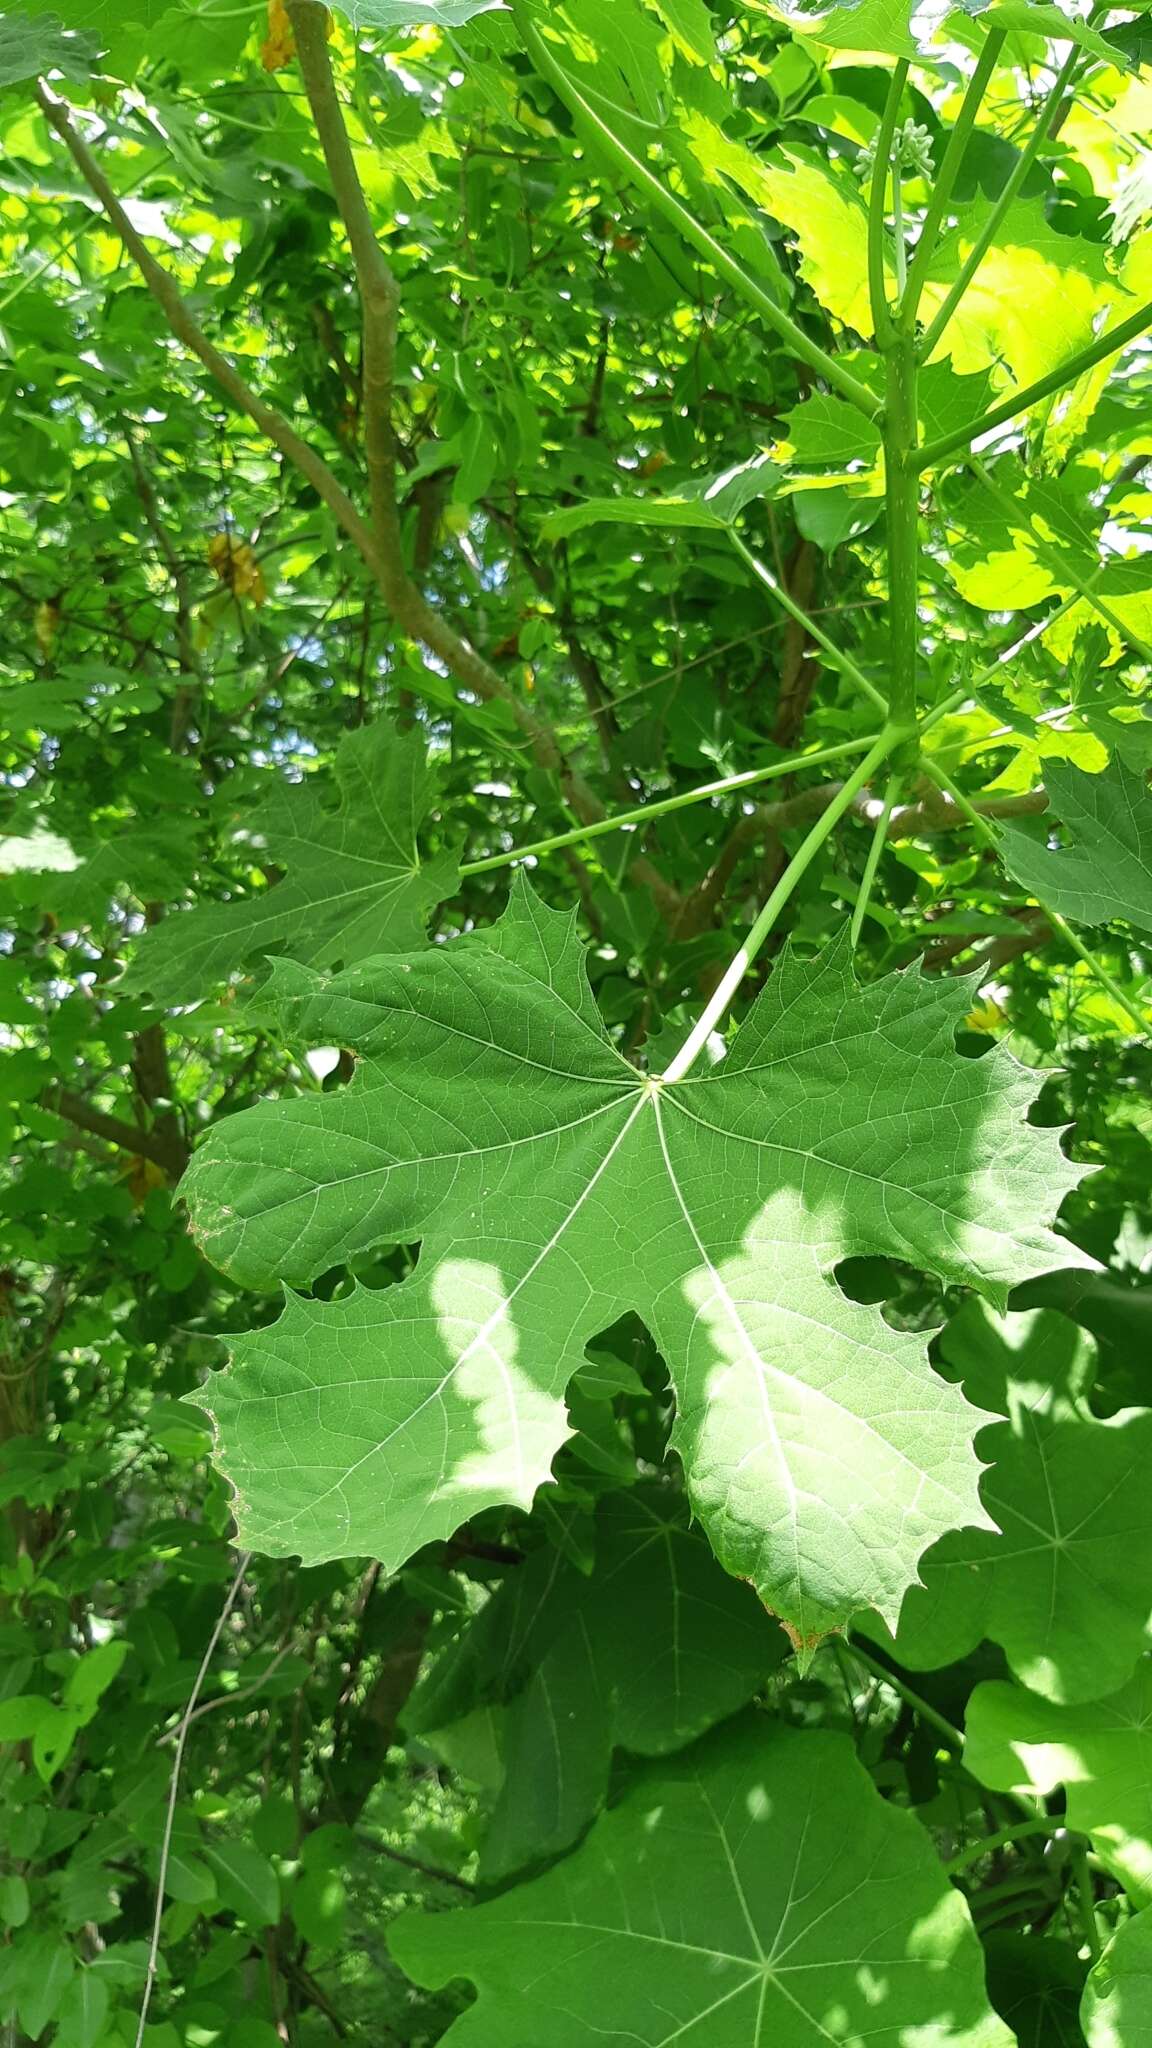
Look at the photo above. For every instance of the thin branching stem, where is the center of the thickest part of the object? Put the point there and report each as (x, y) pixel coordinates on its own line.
(1109, 343)
(885, 165)
(661, 807)
(836, 655)
(945, 182)
(1012, 187)
(660, 192)
(879, 835)
(801, 861)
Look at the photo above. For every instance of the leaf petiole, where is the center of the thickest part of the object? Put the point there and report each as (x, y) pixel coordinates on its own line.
(787, 603)
(988, 1845)
(885, 165)
(946, 178)
(988, 232)
(880, 834)
(1109, 343)
(662, 806)
(950, 1735)
(890, 739)
(1019, 515)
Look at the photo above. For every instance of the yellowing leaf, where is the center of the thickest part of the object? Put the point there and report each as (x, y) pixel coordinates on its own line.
(1032, 304)
(235, 563)
(279, 45)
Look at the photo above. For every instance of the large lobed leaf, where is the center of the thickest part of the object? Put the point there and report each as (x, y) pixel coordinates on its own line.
(1064, 1579)
(755, 1891)
(555, 1189)
(645, 1653)
(355, 884)
(1107, 872)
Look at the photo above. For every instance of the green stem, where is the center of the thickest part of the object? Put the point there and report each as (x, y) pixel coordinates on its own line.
(662, 196)
(787, 602)
(1019, 515)
(1085, 1900)
(884, 165)
(902, 496)
(891, 738)
(1058, 923)
(991, 226)
(976, 1851)
(643, 813)
(1106, 344)
(946, 177)
(891, 798)
(921, 1706)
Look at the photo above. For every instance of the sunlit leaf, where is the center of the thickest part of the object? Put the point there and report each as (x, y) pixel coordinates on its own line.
(555, 1188)
(758, 1889)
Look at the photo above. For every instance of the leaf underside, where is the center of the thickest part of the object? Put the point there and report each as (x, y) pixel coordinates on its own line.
(754, 1893)
(554, 1189)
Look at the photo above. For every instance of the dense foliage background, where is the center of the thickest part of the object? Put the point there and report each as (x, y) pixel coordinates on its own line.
(577, 539)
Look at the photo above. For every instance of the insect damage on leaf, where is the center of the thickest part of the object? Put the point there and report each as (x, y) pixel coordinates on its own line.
(554, 1189)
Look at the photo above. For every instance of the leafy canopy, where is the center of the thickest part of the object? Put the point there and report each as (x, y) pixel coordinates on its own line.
(694, 455)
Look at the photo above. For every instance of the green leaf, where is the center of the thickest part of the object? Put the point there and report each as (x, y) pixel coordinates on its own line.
(1107, 871)
(52, 1743)
(827, 430)
(1100, 1752)
(647, 1653)
(824, 208)
(1063, 1580)
(410, 13)
(82, 2011)
(630, 512)
(713, 503)
(90, 1678)
(556, 1189)
(1033, 17)
(48, 1969)
(14, 1901)
(1035, 1985)
(946, 401)
(247, 1883)
(1117, 2007)
(757, 1889)
(1035, 300)
(29, 48)
(22, 1715)
(879, 26)
(355, 885)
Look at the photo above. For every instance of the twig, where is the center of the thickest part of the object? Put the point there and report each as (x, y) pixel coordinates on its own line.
(174, 1788)
(380, 307)
(228, 1699)
(165, 292)
(128, 1137)
(414, 1863)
